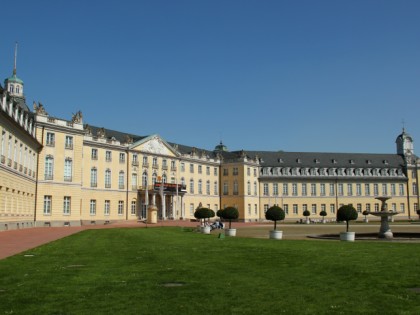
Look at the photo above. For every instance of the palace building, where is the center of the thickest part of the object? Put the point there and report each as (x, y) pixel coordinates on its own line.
(61, 172)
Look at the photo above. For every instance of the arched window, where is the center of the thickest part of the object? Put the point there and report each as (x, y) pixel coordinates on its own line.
(108, 178)
(200, 186)
(191, 186)
(154, 178)
(121, 180)
(49, 167)
(164, 180)
(208, 187)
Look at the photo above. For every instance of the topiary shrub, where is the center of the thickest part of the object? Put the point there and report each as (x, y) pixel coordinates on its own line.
(229, 213)
(346, 213)
(203, 214)
(306, 214)
(275, 213)
(323, 213)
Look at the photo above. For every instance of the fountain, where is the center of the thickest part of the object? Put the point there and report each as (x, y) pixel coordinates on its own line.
(384, 231)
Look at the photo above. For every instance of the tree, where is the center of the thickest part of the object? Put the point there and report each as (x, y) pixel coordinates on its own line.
(203, 214)
(229, 213)
(323, 213)
(346, 213)
(275, 213)
(418, 212)
(306, 214)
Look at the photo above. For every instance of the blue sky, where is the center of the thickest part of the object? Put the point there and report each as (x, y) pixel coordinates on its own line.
(320, 76)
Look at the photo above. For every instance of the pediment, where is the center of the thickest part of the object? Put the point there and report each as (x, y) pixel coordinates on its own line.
(154, 145)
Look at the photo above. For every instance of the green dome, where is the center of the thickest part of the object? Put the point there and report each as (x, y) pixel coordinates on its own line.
(14, 79)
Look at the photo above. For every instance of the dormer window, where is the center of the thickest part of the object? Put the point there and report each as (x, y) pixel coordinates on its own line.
(368, 162)
(316, 161)
(298, 161)
(385, 162)
(280, 160)
(351, 161)
(334, 161)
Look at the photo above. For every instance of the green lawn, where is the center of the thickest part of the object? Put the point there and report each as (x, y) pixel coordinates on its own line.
(171, 271)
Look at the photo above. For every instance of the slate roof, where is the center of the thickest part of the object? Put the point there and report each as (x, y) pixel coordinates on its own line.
(322, 159)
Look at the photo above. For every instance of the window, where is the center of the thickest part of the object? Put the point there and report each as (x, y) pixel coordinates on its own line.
(173, 166)
(108, 156)
(265, 208)
(304, 192)
(349, 189)
(295, 209)
(255, 209)
(276, 189)
(121, 180)
(323, 207)
(414, 188)
(255, 189)
(235, 171)
(144, 179)
(367, 190)
(92, 208)
(375, 189)
(215, 171)
(255, 172)
(134, 181)
(164, 164)
(332, 208)
(265, 189)
(304, 208)
(208, 187)
(248, 171)
(313, 208)
(47, 205)
(120, 207)
(359, 207)
(69, 143)
(368, 207)
(285, 189)
(402, 207)
(200, 169)
(358, 189)
(248, 188)
(145, 162)
(94, 154)
(376, 207)
(49, 167)
(332, 190)
(50, 139)
(384, 189)
(191, 186)
(68, 166)
(216, 188)
(249, 209)
(191, 209)
(225, 172)
(340, 190)
(154, 178)
(93, 177)
(313, 189)
(133, 207)
(108, 178)
(122, 157)
(200, 186)
(286, 209)
(393, 190)
(207, 170)
(66, 205)
(107, 207)
(401, 189)
(322, 189)
(235, 188)
(294, 190)
(135, 161)
(225, 188)
(191, 168)
(182, 167)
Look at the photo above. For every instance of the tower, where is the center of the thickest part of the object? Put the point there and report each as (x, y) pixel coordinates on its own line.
(13, 84)
(404, 144)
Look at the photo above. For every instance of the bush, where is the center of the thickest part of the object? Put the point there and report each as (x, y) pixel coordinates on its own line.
(306, 213)
(229, 213)
(203, 214)
(346, 213)
(323, 213)
(275, 213)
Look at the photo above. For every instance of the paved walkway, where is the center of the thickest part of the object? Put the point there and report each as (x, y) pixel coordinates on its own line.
(16, 241)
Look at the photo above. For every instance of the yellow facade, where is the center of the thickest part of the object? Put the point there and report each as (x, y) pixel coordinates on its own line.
(57, 172)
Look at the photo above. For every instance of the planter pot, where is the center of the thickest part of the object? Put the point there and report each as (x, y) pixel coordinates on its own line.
(323, 221)
(230, 232)
(276, 235)
(205, 230)
(366, 220)
(347, 236)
